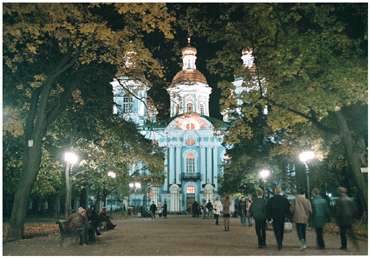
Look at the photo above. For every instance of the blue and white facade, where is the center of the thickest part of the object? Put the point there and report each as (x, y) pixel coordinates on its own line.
(192, 145)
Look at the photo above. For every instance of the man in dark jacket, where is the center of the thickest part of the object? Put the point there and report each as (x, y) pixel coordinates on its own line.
(344, 212)
(153, 209)
(165, 210)
(320, 215)
(258, 212)
(209, 207)
(277, 209)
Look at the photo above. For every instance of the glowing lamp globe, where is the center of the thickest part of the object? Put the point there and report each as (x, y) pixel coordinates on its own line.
(264, 173)
(306, 156)
(70, 157)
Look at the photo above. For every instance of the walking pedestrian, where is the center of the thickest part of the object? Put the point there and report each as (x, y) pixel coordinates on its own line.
(217, 207)
(226, 212)
(277, 210)
(301, 210)
(204, 209)
(345, 211)
(165, 210)
(242, 210)
(258, 212)
(153, 209)
(209, 207)
(248, 215)
(320, 215)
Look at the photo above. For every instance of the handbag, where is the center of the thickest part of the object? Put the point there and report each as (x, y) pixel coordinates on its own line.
(288, 226)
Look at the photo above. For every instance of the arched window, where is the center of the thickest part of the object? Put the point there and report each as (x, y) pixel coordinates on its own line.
(190, 163)
(189, 107)
(201, 107)
(190, 189)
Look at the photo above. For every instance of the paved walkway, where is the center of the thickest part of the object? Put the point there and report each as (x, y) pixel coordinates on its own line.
(178, 236)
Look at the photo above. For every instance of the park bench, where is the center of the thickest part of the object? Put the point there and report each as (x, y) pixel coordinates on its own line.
(67, 233)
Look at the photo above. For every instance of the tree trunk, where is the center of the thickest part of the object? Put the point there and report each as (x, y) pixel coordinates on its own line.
(31, 161)
(35, 129)
(352, 155)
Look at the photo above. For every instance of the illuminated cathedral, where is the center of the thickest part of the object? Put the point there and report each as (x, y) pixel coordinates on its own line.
(194, 153)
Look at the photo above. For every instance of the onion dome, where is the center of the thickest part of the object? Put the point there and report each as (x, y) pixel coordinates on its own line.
(189, 76)
(189, 73)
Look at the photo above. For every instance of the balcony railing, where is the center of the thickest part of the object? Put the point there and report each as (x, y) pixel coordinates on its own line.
(190, 176)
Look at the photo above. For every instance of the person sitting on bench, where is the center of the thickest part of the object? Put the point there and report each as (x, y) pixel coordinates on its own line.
(78, 222)
(105, 218)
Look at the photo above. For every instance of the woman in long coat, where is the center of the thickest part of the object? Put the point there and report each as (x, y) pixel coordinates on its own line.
(320, 215)
(301, 210)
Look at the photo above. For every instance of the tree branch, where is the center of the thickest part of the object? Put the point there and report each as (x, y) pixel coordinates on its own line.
(312, 118)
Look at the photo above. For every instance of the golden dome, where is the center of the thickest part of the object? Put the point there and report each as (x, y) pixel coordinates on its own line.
(189, 76)
(189, 50)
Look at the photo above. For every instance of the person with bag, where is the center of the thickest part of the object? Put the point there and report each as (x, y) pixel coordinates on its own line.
(277, 210)
(301, 210)
(320, 215)
(345, 211)
(258, 212)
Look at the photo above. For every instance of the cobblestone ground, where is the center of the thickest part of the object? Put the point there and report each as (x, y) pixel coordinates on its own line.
(178, 236)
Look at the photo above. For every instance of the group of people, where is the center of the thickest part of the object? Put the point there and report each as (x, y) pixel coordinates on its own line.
(161, 210)
(205, 209)
(278, 212)
(243, 207)
(88, 223)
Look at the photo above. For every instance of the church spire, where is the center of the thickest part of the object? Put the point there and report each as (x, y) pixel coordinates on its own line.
(189, 55)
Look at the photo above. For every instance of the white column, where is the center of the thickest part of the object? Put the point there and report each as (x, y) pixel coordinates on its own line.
(165, 184)
(203, 164)
(172, 165)
(209, 164)
(178, 164)
(215, 165)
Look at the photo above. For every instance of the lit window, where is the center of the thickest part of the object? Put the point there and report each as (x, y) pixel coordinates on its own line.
(190, 189)
(190, 141)
(190, 126)
(127, 104)
(189, 107)
(201, 109)
(190, 163)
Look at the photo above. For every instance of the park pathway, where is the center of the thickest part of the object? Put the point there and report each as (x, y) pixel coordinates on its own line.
(177, 235)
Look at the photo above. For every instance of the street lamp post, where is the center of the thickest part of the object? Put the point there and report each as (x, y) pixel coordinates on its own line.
(112, 175)
(264, 174)
(70, 158)
(305, 157)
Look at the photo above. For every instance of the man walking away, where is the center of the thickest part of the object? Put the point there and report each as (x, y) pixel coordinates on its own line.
(165, 210)
(320, 215)
(209, 207)
(226, 212)
(277, 209)
(258, 212)
(301, 210)
(217, 208)
(242, 210)
(153, 209)
(345, 211)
